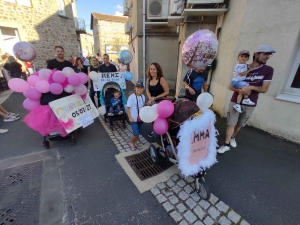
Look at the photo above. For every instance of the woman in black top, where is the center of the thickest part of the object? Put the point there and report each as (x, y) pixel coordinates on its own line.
(94, 67)
(14, 68)
(80, 68)
(157, 85)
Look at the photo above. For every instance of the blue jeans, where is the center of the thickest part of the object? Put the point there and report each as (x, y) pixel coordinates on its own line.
(239, 84)
(136, 128)
(115, 109)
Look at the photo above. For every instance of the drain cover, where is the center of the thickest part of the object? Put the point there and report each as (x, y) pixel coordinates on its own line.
(143, 166)
(20, 190)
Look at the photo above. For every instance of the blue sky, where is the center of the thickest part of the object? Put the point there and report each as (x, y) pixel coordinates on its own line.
(86, 7)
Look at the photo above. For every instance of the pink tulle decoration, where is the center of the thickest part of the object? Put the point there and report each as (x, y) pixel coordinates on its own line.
(67, 125)
(83, 96)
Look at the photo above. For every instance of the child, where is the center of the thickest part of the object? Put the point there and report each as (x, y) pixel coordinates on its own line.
(115, 102)
(134, 104)
(239, 75)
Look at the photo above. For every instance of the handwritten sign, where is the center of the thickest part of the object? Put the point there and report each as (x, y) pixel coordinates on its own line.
(74, 112)
(103, 78)
(199, 146)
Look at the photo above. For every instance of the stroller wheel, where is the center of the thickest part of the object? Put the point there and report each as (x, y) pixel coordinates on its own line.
(153, 154)
(46, 144)
(202, 188)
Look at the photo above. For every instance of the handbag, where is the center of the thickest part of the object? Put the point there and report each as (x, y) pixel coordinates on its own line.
(137, 104)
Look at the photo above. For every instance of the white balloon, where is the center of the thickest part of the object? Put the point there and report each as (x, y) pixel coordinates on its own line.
(204, 101)
(69, 88)
(154, 110)
(102, 110)
(147, 114)
(93, 75)
(68, 71)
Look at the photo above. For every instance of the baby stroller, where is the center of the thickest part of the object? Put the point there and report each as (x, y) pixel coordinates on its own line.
(169, 142)
(105, 96)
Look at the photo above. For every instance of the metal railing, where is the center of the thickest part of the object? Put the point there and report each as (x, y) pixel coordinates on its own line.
(79, 24)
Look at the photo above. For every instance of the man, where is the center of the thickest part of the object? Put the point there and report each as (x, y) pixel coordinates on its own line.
(193, 82)
(59, 62)
(259, 80)
(107, 66)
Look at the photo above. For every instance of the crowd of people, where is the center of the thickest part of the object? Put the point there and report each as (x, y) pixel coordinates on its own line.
(248, 81)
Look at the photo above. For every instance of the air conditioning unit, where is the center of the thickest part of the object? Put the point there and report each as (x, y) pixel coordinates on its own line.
(128, 28)
(126, 8)
(157, 9)
(175, 7)
(204, 1)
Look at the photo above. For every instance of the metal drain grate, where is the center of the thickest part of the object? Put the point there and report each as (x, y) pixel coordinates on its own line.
(143, 166)
(20, 191)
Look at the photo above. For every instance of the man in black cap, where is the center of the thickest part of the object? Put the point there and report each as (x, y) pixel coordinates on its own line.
(259, 79)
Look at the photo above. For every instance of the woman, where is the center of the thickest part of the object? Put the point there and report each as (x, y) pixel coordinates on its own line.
(13, 67)
(157, 85)
(94, 67)
(80, 68)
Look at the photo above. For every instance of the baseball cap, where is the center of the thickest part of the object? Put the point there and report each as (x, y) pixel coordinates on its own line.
(265, 48)
(244, 52)
(139, 83)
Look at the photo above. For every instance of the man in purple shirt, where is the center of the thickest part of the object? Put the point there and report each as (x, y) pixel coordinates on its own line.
(259, 80)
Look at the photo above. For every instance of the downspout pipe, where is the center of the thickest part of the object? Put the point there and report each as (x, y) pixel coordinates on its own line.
(144, 41)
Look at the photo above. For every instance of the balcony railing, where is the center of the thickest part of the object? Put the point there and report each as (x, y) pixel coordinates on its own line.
(80, 25)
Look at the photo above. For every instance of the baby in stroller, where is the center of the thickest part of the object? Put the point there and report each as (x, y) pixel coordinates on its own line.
(113, 97)
(116, 104)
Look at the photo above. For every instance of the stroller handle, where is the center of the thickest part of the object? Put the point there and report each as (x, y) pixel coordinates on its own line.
(177, 97)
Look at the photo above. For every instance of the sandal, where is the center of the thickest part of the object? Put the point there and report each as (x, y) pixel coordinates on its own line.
(138, 147)
(132, 148)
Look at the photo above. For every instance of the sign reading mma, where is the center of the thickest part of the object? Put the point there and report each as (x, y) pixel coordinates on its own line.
(103, 78)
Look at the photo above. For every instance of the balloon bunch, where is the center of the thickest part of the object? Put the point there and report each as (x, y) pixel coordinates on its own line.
(159, 114)
(45, 81)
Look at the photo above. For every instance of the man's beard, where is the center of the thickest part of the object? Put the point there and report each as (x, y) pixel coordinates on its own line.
(260, 62)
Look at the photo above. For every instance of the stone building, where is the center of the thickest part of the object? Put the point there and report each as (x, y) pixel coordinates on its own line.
(87, 44)
(109, 34)
(42, 23)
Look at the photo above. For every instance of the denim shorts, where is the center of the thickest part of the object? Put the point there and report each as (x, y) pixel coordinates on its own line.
(136, 128)
(239, 84)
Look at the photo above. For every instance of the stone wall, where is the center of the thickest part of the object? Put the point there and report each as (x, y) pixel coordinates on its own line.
(112, 33)
(42, 26)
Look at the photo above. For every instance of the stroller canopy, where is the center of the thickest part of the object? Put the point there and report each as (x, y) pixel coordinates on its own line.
(105, 91)
(108, 85)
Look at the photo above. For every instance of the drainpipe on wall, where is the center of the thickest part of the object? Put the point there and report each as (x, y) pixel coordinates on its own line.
(144, 41)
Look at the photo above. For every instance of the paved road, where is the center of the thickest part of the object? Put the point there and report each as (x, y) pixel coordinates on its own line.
(95, 188)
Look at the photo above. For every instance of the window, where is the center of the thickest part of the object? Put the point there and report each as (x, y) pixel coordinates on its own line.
(20, 2)
(61, 7)
(291, 91)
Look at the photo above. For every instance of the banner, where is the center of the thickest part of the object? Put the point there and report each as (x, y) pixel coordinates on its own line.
(197, 147)
(103, 78)
(74, 112)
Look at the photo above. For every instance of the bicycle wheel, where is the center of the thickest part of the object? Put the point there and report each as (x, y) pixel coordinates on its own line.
(202, 188)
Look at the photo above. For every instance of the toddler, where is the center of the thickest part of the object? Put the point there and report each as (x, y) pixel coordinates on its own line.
(239, 75)
(115, 102)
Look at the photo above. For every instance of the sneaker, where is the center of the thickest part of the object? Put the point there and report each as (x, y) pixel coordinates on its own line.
(247, 101)
(13, 114)
(2, 131)
(11, 118)
(151, 134)
(238, 108)
(120, 113)
(223, 149)
(110, 114)
(233, 142)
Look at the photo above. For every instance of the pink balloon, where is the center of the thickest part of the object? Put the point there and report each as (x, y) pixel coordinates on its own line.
(74, 79)
(83, 78)
(18, 85)
(30, 104)
(32, 80)
(56, 88)
(42, 86)
(165, 109)
(33, 94)
(44, 73)
(160, 125)
(59, 77)
(80, 89)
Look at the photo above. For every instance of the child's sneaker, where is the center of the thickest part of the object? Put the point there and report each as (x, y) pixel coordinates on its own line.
(13, 114)
(120, 113)
(110, 114)
(237, 107)
(247, 101)
(11, 118)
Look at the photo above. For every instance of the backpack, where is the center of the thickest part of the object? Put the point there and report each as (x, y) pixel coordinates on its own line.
(182, 112)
